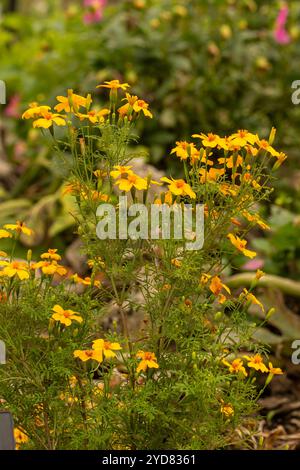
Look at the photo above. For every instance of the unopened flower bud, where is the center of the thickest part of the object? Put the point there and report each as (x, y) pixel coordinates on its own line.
(270, 313)
(29, 255)
(272, 135)
(218, 315)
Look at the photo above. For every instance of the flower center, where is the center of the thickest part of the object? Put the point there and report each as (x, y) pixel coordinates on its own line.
(132, 178)
(148, 356)
(264, 144)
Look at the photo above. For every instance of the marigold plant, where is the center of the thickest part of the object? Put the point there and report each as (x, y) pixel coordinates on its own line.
(151, 349)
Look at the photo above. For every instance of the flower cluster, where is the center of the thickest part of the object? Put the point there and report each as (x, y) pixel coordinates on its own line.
(253, 362)
(146, 323)
(80, 107)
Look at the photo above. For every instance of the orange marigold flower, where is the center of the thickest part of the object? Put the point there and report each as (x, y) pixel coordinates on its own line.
(176, 262)
(131, 181)
(251, 298)
(228, 189)
(71, 102)
(106, 347)
(19, 227)
(216, 286)
(264, 145)
(141, 105)
(231, 162)
(255, 218)
(281, 157)
(121, 171)
(5, 234)
(179, 187)
(241, 245)
(65, 317)
(242, 138)
(85, 281)
(94, 116)
(166, 287)
(204, 278)
(128, 107)
(100, 173)
(51, 254)
(235, 366)
(213, 174)
(15, 268)
(210, 140)
(165, 198)
(50, 267)
(134, 104)
(99, 349)
(274, 370)
(182, 149)
(256, 362)
(88, 354)
(224, 143)
(259, 274)
(71, 188)
(96, 196)
(47, 120)
(34, 111)
(227, 410)
(148, 360)
(20, 437)
(114, 85)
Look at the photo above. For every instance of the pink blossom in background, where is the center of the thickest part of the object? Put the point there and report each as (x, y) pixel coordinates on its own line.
(20, 150)
(94, 12)
(253, 264)
(281, 35)
(13, 107)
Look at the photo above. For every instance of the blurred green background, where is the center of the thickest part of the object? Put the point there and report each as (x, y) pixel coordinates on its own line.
(202, 65)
